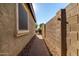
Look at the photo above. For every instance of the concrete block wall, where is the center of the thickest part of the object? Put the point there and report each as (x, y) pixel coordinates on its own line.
(53, 34)
(43, 28)
(62, 31)
(10, 44)
(72, 14)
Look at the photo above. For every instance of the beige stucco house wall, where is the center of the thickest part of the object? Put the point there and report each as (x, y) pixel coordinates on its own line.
(10, 42)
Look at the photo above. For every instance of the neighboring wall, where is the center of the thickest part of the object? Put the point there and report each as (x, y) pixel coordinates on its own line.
(10, 44)
(54, 35)
(62, 35)
(43, 29)
(72, 14)
(54, 44)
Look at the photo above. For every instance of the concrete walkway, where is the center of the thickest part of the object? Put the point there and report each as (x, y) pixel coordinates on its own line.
(38, 47)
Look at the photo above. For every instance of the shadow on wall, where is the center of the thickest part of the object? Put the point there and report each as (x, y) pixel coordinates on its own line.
(36, 47)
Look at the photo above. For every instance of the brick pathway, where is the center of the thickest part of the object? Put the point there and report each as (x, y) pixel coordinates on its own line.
(37, 47)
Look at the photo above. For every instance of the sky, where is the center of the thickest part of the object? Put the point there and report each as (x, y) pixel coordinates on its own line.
(45, 11)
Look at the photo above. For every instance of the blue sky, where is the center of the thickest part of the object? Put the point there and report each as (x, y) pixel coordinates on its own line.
(45, 11)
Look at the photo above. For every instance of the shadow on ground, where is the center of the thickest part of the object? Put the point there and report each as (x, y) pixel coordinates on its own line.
(36, 47)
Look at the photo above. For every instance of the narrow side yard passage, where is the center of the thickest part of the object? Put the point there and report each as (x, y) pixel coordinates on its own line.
(36, 47)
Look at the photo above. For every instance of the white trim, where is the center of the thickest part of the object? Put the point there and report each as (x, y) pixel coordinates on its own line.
(21, 32)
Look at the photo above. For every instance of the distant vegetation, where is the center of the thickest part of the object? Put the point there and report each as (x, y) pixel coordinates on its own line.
(39, 28)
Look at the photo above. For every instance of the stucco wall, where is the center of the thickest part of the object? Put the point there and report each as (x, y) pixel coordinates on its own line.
(10, 44)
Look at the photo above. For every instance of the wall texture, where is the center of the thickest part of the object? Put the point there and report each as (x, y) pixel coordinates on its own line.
(51, 36)
(72, 15)
(54, 34)
(43, 28)
(62, 31)
(10, 44)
